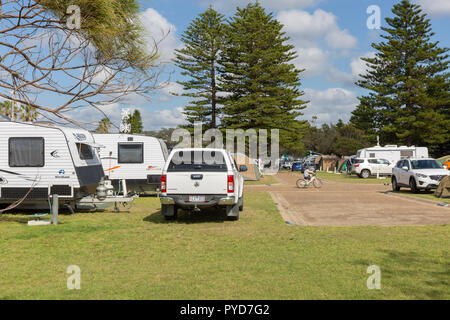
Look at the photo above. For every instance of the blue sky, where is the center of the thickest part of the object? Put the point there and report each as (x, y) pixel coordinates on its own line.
(329, 35)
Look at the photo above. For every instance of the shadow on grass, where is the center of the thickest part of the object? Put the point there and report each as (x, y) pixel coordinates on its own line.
(189, 217)
(25, 215)
(415, 275)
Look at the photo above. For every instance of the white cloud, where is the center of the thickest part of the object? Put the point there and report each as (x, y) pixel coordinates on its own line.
(156, 119)
(317, 38)
(348, 79)
(330, 105)
(168, 89)
(231, 5)
(341, 39)
(435, 7)
(314, 60)
(359, 66)
(160, 32)
(306, 28)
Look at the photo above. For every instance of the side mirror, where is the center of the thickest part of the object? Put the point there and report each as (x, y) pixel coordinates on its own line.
(242, 168)
(405, 168)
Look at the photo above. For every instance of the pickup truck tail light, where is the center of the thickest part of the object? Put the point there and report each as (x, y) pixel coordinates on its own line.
(163, 183)
(230, 183)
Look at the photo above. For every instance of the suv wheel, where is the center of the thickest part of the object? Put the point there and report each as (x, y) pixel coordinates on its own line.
(365, 174)
(395, 186)
(413, 185)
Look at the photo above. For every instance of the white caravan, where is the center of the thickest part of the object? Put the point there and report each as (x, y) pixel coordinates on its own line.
(42, 159)
(392, 153)
(137, 159)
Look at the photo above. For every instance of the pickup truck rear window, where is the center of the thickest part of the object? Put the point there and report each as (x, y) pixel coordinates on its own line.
(197, 161)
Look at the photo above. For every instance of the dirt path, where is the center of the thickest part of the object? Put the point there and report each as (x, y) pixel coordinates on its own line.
(345, 204)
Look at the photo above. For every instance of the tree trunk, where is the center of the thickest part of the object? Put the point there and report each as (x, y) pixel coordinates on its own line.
(213, 95)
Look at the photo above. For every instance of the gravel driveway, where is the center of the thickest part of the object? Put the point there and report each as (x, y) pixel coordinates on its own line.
(346, 204)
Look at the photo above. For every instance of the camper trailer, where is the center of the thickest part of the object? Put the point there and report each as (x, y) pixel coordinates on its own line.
(38, 160)
(393, 153)
(137, 159)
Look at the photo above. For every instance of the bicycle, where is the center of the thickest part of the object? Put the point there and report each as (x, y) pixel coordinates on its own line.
(316, 182)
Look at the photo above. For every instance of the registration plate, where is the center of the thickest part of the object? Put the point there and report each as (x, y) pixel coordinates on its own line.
(197, 198)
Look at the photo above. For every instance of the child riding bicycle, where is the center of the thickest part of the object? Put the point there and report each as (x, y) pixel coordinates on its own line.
(307, 174)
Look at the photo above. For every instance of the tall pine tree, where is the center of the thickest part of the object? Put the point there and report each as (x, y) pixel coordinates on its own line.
(409, 84)
(203, 42)
(260, 81)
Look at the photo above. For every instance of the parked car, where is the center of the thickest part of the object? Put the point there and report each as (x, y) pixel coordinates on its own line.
(199, 178)
(297, 166)
(365, 168)
(287, 165)
(418, 174)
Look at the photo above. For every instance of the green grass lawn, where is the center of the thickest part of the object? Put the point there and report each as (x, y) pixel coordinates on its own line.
(138, 255)
(267, 179)
(428, 195)
(350, 178)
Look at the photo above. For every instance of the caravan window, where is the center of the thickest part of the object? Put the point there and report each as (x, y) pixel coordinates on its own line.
(406, 154)
(85, 151)
(26, 152)
(131, 153)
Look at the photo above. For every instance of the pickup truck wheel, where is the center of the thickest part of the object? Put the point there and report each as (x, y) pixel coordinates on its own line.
(413, 185)
(395, 186)
(241, 203)
(169, 211)
(233, 212)
(365, 174)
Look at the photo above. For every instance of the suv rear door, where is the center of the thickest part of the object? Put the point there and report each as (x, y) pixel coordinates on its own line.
(197, 172)
(384, 166)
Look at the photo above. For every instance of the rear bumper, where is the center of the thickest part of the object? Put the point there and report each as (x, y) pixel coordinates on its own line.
(211, 200)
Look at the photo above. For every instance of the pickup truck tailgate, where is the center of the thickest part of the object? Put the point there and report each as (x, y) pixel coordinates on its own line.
(197, 182)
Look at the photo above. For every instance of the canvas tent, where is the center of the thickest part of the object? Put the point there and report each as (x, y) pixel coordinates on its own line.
(327, 163)
(443, 190)
(443, 159)
(252, 173)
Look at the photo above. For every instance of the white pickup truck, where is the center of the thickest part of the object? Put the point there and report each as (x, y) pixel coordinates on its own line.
(199, 178)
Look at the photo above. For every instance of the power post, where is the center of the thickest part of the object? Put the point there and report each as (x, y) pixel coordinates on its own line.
(55, 209)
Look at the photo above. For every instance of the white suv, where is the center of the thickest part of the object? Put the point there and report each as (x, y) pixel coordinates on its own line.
(198, 178)
(365, 168)
(418, 174)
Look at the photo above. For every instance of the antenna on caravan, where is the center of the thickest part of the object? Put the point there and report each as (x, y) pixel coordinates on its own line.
(378, 141)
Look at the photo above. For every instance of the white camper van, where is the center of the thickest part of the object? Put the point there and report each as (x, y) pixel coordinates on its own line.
(137, 159)
(43, 159)
(392, 153)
